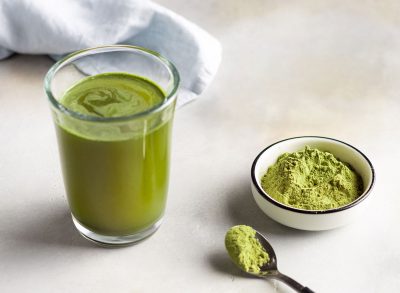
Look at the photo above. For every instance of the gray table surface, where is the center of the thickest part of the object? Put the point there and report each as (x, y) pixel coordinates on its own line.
(289, 68)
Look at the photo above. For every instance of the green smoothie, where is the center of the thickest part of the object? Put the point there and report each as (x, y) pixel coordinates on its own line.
(115, 173)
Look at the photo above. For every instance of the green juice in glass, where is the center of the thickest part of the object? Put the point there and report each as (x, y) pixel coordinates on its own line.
(116, 182)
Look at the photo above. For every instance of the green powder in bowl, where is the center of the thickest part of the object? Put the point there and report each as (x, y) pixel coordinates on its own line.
(312, 179)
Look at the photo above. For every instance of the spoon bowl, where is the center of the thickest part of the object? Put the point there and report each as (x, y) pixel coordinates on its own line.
(270, 269)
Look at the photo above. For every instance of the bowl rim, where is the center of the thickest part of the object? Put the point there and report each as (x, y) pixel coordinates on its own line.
(302, 211)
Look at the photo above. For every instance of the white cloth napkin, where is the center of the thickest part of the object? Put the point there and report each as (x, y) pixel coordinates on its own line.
(62, 26)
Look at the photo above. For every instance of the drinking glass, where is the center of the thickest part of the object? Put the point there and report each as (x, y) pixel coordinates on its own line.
(115, 169)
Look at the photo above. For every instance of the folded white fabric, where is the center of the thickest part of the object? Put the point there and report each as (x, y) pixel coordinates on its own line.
(62, 26)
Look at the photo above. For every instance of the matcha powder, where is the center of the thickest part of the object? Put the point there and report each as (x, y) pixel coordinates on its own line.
(245, 249)
(312, 180)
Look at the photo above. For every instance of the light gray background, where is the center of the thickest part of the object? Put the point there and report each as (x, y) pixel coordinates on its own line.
(289, 68)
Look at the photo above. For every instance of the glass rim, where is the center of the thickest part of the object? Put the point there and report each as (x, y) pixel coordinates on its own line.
(170, 97)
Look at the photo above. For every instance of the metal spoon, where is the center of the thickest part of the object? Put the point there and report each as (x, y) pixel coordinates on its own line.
(270, 269)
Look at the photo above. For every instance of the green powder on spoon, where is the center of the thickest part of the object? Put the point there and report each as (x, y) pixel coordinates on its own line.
(245, 249)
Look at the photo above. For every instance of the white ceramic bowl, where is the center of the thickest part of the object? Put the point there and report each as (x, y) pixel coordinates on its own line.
(308, 219)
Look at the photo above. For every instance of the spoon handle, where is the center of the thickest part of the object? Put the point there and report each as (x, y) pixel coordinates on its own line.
(292, 283)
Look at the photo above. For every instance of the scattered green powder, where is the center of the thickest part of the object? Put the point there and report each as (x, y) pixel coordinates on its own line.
(245, 249)
(312, 180)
